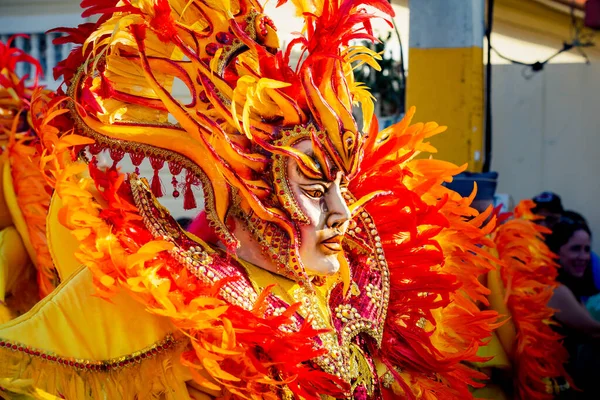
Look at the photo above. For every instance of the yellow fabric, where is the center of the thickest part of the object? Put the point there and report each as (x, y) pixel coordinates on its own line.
(5, 217)
(13, 259)
(6, 314)
(22, 390)
(507, 333)
(494, 349)
(502, 342)
(284, 288)
(71, 322)
(500, 345)
(17, 217)
(61, 243)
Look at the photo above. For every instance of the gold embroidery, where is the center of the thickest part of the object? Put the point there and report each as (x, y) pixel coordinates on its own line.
(373, 293)
(196, 259)
(336, 360)
(360, 370)
(235, 48)
(339, 358)
(388, 380)
(169, 342)
(378, 262)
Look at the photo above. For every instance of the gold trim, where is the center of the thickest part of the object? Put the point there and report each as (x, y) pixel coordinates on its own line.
(279, 169)
(196, 259)
(169, 342)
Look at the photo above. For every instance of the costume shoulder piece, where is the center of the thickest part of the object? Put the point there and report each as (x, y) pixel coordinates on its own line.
(521, 288)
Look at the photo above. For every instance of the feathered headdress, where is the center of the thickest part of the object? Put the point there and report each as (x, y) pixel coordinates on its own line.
(246, 106)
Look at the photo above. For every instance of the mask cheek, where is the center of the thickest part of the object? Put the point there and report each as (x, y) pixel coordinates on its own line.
(311, 209)
(308, 240)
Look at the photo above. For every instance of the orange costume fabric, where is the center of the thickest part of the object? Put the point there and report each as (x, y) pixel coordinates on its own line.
(521, 288)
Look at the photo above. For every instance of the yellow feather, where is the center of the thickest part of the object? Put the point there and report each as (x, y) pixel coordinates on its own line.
(358, 205)
(344, 273)
(246, 114)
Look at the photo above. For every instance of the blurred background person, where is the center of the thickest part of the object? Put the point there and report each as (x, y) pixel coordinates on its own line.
(571, 241)
(548, 205)
(594, 258)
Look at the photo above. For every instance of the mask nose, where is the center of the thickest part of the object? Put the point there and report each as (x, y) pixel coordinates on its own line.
(339, 213)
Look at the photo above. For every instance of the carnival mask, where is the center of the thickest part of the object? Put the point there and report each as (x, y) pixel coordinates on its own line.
(322, 202)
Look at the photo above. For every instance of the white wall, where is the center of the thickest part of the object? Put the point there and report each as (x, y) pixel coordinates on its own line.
(36, 16)
(546, 135)
(39, 7)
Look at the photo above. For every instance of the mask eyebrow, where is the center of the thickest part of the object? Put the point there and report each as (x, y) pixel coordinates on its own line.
(321, 179)
(311, 154)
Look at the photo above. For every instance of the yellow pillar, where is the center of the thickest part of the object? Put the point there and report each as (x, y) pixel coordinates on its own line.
(445, 75)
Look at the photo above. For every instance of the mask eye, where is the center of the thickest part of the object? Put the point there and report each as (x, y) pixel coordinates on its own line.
(314, 193)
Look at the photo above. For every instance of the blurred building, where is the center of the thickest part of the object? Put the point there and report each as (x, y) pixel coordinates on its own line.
(35, 17)
(546, 124)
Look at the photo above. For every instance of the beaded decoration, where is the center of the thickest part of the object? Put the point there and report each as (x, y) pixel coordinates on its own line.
(168, 343)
